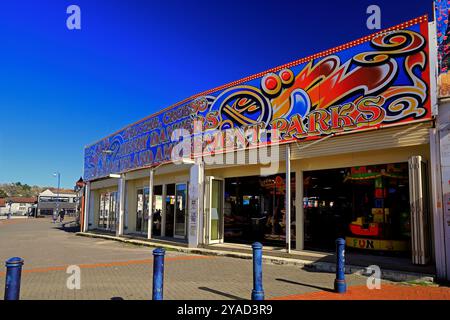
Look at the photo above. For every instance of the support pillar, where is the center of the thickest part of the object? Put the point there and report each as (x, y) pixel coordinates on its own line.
(288, 198)
(150, 204)
(121, 190)
(196, 183)
(163, 213)
(299, 210)
(87, 202)
(437, 210)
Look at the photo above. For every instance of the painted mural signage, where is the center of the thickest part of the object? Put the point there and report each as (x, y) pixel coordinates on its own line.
(441, 12)
(377, 81)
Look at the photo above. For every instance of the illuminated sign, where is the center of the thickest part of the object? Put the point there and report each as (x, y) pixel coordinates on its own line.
(376, 81)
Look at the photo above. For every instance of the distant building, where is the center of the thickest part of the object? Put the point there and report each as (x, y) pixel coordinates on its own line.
(18, 205)
(50, 200)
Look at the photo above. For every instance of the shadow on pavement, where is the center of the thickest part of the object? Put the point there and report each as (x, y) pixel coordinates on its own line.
(117, 298)
(67, 227)
(305, 285)
(220, 293)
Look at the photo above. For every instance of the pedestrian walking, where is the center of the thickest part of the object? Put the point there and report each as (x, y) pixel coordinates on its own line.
(61, 215)
(55, 216)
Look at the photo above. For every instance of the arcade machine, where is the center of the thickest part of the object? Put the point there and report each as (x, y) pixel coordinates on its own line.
(382, 222)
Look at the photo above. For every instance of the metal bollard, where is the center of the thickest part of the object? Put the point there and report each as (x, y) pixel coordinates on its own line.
(339, 283)
(13, 275)
(258, 291)
(158, 273)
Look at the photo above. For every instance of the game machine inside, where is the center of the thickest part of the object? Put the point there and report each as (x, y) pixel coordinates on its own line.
(381, 215)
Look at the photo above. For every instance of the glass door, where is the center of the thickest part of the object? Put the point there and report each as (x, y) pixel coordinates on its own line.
(418, 190)
(157, 210)
(102, 212)
(108, 211)
(139, 210)
(214, 209)
(180, 210)
(113, 211)
(170, 210)
(142, 210)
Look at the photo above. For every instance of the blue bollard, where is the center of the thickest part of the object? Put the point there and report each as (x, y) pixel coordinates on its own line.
(339, 283)
(13, 275)
(158, 273)
(258, 291)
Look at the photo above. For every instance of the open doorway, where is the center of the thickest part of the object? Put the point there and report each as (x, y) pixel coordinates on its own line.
(254, 210)
(369, 206)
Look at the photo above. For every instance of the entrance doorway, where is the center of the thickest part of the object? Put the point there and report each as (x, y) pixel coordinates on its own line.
(214, 195)
(369, 206)
(180, 210)
(142, 210)
(108, 211)
(254, 210)
(170, 210)
(157, 210)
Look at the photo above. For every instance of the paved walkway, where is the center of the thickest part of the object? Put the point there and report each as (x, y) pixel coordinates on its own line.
(386, 292)
(113, 270)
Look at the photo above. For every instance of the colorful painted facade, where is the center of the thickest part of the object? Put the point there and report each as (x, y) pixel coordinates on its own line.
(377, 81)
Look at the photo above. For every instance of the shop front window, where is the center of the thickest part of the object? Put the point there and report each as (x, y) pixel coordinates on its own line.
(142, 210)
(367, 205)
(170, 210)
(157, 210)
(254, 209)
(180, 210)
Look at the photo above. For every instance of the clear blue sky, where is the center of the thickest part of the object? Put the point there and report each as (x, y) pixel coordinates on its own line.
(61, 90)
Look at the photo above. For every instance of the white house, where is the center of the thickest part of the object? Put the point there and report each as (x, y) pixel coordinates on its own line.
(17, 205)
(52, 200)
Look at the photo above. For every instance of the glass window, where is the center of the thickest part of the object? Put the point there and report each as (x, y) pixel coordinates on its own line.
(216, 209)
(142, 210)
(180, 210)
(157, 210)
(366, 205)
(170, 210)
(254, 209)
(108, 211)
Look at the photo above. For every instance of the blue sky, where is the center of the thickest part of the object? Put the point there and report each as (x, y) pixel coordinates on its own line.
(63, 89)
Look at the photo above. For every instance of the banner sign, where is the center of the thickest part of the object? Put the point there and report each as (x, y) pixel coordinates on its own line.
(441, 11)
(376, 81)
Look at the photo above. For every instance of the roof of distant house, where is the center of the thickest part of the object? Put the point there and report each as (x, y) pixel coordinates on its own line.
(55, 191)
(4, 201)
(65, 191)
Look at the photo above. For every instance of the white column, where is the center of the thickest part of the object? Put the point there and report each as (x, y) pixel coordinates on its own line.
(299, 211)
(87, 195)
(150, 205)
(288, 198)
(201, 204)
(437, 212)
(163, 213)
(195, 205)
(122, 191)
(444, 146)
